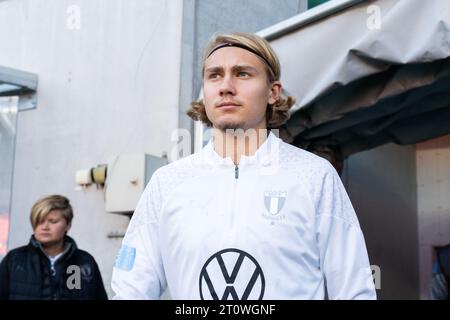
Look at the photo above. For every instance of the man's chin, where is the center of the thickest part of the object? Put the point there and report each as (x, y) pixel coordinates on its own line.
(224, 126)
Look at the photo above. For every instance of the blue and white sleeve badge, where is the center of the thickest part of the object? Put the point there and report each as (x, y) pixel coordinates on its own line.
(125, 258)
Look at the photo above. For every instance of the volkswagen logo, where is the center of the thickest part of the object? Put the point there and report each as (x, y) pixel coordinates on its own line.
(231, 273)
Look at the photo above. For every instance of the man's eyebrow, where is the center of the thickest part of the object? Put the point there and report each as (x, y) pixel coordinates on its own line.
(244, 67)
(213, 69)
(234, 68)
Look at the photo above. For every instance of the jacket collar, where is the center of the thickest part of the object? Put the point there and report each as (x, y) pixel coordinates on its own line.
(266, 154)
(69, 246)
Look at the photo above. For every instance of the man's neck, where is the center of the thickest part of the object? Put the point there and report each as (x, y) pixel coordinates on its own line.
(235, 143)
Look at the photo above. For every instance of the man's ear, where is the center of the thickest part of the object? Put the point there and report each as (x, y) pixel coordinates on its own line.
(68, 227)
(275, 92)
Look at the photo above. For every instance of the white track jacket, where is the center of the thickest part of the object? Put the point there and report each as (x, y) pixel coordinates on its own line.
(278, 226)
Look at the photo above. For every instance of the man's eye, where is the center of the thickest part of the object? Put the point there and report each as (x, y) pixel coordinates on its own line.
(213, 76)
(243, 74)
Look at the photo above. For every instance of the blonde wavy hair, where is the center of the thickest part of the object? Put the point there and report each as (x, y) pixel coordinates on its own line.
(276, 114)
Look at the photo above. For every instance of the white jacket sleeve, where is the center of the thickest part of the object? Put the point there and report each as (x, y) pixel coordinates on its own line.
(138, 273)
(343, 254)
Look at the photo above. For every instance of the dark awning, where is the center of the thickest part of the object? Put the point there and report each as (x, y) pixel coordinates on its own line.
(359, 86)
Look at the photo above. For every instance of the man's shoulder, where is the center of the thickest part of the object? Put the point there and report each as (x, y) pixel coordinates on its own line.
(176, 172)
(178, 166)
(302, 160)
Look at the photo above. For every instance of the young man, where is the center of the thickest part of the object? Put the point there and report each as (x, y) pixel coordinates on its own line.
(249, 217)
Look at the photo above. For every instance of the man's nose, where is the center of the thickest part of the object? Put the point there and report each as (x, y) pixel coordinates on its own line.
(227, 86)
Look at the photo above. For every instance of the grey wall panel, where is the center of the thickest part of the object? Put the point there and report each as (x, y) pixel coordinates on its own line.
(382, 186)
(433, 195)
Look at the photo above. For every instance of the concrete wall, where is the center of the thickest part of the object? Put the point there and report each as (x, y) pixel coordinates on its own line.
(382, 186)
(433, 196)
(108, 87)
(401, 197)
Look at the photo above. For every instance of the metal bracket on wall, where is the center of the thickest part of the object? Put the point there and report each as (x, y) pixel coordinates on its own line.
(19, 83)
(27, 102)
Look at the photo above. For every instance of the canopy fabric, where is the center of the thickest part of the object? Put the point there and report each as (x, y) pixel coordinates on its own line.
(358, 86)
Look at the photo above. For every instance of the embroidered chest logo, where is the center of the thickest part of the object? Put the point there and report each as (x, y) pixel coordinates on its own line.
(274, 201)
(231, 273)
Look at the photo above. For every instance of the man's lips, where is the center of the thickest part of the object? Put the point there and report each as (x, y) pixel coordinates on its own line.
(228, 105)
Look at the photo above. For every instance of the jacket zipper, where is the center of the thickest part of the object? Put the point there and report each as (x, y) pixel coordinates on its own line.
(233, 212)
